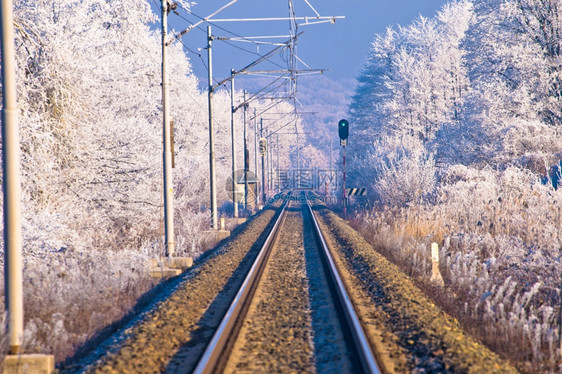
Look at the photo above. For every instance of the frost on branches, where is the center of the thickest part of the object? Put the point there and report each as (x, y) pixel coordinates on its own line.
(457, 122)
(89, 94)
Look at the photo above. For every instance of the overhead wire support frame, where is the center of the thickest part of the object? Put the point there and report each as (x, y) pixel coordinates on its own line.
(283, 71)
(307, 20)
(206, 19)
(316, 20)
(258, 61)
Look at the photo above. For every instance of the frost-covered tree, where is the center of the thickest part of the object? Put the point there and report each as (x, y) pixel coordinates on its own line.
(521, 39)
(90, 102)
(513, 55)
(414, 84)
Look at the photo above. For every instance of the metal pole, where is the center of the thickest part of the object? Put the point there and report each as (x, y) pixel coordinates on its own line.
(246, 156)
(344, 194)
(262, 165)
(233, 133)
(271, 166)
(278, 178)
(268, 161)
(331, 168)
(298, 153)
(13, 274)
(214, 217)
(167, 155)
(256, 156)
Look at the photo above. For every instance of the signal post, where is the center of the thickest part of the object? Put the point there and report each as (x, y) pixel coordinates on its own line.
(343, 132)
(263, 150)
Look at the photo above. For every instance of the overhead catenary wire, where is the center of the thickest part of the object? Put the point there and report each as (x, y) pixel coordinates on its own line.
(184, 92)
(242, 38)
(214, 24)
(264, 91)
(291, 59)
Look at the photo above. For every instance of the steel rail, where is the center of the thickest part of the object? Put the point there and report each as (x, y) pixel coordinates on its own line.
(362, 347)
(211, 359)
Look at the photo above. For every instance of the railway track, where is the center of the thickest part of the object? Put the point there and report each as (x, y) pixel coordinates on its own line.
(268, 300)
(321, 332)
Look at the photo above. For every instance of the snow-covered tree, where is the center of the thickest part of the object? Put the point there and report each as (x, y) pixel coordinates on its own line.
(414, 84)
(90, 101)
(513, 55)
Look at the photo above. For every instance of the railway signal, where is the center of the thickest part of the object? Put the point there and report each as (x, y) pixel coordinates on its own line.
(343, 131)
(263, 146)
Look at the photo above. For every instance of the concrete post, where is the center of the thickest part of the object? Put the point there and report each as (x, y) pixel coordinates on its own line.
(213, 197)
(167, 152)
(13, 273)
(233, 144)
(435, 273)
(246, 156)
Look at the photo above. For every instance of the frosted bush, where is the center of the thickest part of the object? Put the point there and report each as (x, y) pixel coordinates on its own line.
(499, 233)
(404, 175)
(71, 294)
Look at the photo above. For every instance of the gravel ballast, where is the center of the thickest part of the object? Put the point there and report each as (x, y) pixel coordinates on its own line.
(410, 332)
(276, 334)
(171, 336)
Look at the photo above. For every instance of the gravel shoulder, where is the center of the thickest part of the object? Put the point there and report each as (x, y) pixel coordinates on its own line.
(410, 332)
(171, 336)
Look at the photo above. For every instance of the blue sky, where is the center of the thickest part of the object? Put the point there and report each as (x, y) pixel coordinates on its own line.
(340, 47)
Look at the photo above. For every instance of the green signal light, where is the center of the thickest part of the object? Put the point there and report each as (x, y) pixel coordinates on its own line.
(343, 129)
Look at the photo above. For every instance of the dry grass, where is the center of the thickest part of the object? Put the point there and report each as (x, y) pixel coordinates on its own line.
(500, 261)
(72, 296)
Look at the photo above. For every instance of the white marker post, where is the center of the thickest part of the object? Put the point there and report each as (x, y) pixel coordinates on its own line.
(13, 272)
(435, 274)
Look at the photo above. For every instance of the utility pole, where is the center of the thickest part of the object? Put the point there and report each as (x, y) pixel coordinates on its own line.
(13, 273)
(167, 156)
(271, 165)
(246, 157)
(256, 155)
(262, 165)
(278, 178)
(214, 218)
(232, 131)
(269, 162)
(331, 166)
(298, 152)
